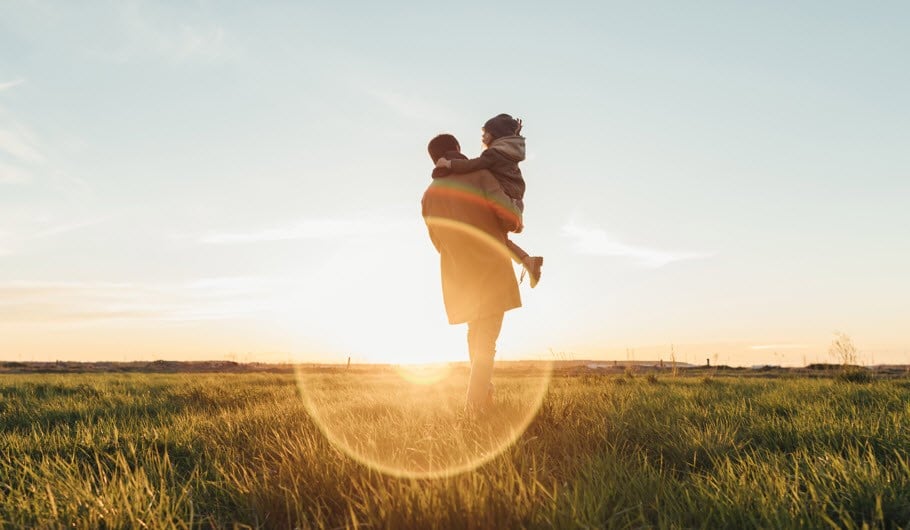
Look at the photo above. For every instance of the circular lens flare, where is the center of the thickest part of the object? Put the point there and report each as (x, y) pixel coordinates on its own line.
(412, 422)
(416, 426)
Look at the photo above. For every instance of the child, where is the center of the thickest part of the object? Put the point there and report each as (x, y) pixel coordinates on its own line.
(504, 150)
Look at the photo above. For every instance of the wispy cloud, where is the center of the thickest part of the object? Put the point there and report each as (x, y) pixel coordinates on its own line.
(146, 32)
(20, 144)
(10, 84)
(13, 174)
(595, 241)
(413, 107)
(71, 301)
(127, 30)
(63, 228)
(302, 229)
(17, 233)
(68, 302)
(24, 157)
(193, 41)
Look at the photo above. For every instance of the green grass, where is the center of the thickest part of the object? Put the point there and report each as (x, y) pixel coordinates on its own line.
(228, 450)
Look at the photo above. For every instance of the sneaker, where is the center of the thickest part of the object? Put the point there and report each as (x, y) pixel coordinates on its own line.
(533, 264)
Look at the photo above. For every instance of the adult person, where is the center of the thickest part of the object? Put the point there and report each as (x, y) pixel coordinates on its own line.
(468, 217)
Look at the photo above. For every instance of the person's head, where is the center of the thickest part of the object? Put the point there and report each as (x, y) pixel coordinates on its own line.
(442, 144)
(499, 126)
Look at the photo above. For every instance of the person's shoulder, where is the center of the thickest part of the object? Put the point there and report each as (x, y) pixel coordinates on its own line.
(476, 183)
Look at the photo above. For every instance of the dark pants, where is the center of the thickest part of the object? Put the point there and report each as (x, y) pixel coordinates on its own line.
(482, 335)
(518, 253)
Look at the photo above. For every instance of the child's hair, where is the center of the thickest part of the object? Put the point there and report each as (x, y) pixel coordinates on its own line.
(441, 144)
(502, 125)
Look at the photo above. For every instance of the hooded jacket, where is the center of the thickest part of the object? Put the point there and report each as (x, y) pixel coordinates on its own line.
(501, 158)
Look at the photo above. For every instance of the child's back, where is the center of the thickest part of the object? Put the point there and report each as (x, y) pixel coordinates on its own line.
(505, 149)
(501, 158)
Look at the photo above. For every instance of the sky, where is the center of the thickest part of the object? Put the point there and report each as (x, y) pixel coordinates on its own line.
(216, 180)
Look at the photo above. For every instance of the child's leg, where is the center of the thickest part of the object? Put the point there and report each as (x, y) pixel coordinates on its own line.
(518, 254)
(529, 263)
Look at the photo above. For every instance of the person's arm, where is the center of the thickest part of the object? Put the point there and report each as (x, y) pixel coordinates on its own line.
(484, 161)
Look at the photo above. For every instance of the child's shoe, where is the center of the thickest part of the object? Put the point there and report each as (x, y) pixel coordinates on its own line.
(532, 264)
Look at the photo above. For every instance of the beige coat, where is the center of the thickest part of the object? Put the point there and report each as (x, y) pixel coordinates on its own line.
(468, 216)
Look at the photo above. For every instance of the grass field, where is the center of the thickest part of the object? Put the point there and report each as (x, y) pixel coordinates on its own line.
(252, 450)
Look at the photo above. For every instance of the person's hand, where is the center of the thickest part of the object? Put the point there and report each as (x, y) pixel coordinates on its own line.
(518, 128)
(443, 162)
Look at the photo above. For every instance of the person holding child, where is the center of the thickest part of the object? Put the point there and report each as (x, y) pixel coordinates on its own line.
(468, 216)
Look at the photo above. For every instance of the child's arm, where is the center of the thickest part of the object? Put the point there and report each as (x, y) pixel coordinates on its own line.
(484, 161)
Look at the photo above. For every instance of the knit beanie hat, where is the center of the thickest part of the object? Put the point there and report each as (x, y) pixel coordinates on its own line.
(501, 125)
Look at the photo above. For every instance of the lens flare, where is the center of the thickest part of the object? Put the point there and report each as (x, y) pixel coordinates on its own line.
(414, 427)
(411, 421)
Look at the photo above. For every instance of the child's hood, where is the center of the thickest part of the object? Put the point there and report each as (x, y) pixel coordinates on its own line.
(513, 147)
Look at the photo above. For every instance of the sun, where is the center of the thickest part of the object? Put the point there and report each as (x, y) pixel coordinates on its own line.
(387, 310)
(380, 340)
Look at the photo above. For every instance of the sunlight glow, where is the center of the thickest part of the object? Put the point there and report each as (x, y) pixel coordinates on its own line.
(371, 415)
(424, 374)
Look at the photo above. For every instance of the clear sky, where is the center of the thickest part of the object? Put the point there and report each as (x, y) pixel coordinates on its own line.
(187, 180)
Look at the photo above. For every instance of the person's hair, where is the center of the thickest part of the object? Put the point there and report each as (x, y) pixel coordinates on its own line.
(439, 145)
(502, 125)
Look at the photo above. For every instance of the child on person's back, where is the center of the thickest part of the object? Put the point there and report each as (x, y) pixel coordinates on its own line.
(505, 148)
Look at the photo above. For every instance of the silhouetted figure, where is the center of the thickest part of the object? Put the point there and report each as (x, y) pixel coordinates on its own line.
(467, 217)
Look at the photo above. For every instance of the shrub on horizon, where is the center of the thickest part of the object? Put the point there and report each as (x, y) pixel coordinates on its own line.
(855, 375)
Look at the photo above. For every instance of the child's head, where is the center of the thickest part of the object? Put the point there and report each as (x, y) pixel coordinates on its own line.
(499, 126)
(442, 144)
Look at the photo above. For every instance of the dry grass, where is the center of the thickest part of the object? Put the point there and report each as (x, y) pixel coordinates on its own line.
(191, 450)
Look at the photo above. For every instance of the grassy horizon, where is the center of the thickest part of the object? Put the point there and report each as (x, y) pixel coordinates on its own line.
(243, 450)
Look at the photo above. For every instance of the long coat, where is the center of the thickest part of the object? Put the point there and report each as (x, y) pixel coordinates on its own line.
(468, 216)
